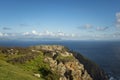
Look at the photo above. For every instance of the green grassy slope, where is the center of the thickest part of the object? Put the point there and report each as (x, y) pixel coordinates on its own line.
(24, 63)
(17, 71)
(11, 72)
(23, 66)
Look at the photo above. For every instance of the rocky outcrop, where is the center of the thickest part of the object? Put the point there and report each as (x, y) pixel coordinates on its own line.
(63, 64)
(71, 65)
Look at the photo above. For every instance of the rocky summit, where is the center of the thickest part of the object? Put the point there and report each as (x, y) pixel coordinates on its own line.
(47, 62)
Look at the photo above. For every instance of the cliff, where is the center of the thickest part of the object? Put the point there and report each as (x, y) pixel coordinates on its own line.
(50, 62)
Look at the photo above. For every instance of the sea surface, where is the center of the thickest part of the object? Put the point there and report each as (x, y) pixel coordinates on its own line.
(105, 53)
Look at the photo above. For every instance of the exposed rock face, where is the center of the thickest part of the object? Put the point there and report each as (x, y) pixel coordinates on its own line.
(92, 68)
(64, 64)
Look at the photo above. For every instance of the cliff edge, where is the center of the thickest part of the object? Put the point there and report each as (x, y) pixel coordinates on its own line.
(50, 62)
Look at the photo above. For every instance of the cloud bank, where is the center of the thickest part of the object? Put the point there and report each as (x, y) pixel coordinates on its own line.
(37, 35)
(49, 34)
(86, 32)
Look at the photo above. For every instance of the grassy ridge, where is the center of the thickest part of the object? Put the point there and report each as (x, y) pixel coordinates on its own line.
(23, 66)
(25, 63)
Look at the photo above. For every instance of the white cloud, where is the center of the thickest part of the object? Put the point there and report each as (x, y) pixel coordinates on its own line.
(34, 32)
(88, 26)
(118, 20)
(48, 34)
(116, 34)
(60, 34)
(118, 14)
(1, 34)
(101, 28)
(4, 34)
(26, 33)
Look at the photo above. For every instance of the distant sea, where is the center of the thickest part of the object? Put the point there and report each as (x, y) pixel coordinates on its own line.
(105, 53)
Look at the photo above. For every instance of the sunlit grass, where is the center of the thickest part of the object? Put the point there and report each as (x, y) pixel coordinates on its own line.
(11, 72)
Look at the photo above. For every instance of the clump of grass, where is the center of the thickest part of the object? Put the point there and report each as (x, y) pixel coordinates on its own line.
(64, 58)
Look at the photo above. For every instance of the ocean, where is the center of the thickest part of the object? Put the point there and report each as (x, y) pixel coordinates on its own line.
(105, 53)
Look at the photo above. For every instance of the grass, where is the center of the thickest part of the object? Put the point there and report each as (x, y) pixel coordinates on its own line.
(24, 65)
(35, 64)
(38, 65)
(11, 72)
(65, 58)
(14, 70)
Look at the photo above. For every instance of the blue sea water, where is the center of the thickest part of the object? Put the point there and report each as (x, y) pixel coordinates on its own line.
(105, 53)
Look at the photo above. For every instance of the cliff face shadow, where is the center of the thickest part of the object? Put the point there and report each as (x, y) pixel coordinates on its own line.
(93, 69)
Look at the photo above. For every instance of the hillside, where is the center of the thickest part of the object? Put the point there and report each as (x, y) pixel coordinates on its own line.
(46, 62)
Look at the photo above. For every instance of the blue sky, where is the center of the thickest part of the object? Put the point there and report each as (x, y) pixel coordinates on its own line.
(65, 19)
